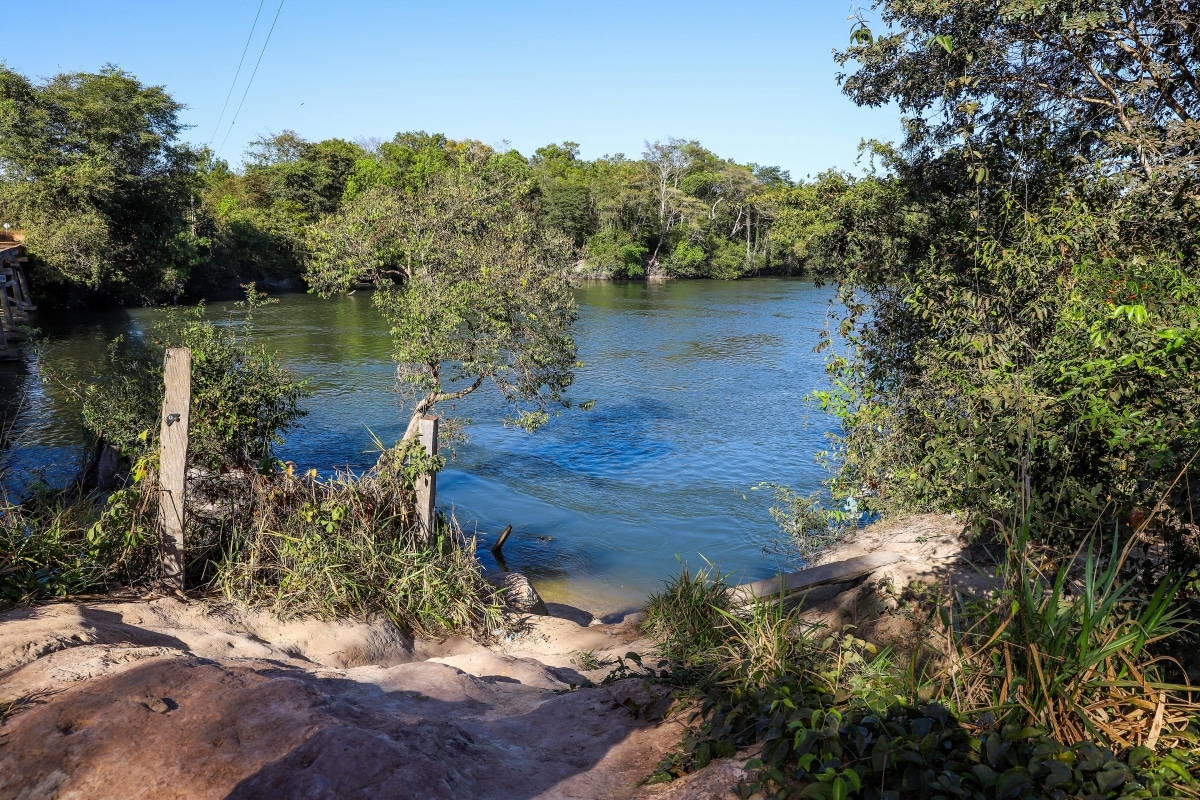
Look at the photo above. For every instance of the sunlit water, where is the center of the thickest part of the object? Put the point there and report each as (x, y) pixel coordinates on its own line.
(700, 391)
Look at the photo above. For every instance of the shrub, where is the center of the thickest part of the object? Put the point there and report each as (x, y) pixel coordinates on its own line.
(1069, 648)
(351, 546)
(243, 399)
(1040, 366)
(56, 544)
(1053, 690)
(687, 618)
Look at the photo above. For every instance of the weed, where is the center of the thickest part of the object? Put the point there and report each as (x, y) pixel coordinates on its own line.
(587, 660)
(686, 618)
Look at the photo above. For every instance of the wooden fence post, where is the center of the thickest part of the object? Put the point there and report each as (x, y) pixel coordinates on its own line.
(172, 470)
(427, 484)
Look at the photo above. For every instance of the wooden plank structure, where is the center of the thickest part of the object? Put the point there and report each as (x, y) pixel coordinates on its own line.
(15, 299)
(824, 575)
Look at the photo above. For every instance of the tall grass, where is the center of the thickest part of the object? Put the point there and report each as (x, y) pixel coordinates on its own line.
(347, 546)
(299, 545)
(1068, 648)
(1054, 687)
(687, 618)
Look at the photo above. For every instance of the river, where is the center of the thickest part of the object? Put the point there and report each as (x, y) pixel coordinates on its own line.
(700, 394)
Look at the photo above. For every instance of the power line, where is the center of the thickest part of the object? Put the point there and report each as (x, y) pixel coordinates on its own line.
(233, 84)
(252, 74)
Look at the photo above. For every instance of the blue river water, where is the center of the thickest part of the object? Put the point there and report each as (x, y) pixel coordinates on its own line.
(700, 391)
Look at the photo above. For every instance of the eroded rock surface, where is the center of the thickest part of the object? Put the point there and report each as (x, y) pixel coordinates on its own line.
(174, 700)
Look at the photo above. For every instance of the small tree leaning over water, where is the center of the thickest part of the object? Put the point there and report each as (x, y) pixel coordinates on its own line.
(473, 288)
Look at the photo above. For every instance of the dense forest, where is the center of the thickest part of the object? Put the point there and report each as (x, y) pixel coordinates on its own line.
(118, 209)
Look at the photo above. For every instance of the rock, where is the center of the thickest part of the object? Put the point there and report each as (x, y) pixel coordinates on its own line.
(160, 706)
(519, 593)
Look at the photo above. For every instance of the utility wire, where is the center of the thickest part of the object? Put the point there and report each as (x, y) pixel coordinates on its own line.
(233, 84)
(252, 74)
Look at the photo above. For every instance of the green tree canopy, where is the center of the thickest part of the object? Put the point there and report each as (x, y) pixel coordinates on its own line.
(473, 287)
(91, 167)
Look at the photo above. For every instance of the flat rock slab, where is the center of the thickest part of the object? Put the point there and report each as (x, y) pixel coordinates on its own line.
(166, 700)
(836, 572)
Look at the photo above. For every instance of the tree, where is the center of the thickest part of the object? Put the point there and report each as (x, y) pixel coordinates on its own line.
(664, 164)
(1033, 343)
(91, 167)
(310, 175)
(1038, 84)
(473, 287)
(565, 190)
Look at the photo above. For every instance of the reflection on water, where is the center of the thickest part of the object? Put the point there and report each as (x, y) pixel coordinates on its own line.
(700, 394)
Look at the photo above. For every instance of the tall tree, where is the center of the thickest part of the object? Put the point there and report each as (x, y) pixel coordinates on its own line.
(91, 167)
(1033, 342)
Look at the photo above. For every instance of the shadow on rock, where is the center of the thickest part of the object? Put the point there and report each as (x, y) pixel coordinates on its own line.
(182, 726)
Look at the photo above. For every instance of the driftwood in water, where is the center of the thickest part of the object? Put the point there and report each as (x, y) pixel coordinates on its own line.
(503, 538)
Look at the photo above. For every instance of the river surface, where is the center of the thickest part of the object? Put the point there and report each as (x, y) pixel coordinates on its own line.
(700, 394)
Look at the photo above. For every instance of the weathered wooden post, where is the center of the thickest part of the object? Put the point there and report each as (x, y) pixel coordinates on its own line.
(25, 296)
(427, 483)
(6, 304)
(172, 469)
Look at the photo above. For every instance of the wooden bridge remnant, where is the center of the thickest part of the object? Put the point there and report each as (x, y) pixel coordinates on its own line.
(16, 301)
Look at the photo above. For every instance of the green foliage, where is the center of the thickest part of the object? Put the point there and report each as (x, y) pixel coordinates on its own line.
(91, 168)
(243, 399)
(686, 618)
(808, 527)
(350, 546)
(815, 747)
(55, 545)
(1022, 315)
(1046, 696)
(473, 288)
(1067, 648)
(615, 253)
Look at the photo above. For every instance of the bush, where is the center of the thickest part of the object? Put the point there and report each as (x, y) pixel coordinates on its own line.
(254, 531)
(1069, 648)
(243, 399)
(1043, 366)
(1052, 689)
(352, 546)
(56, 545)
(687, 618)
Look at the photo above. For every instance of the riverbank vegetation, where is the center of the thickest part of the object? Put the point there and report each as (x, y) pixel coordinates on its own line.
(1054, 685)
(1033, 337)
(300, 544)
(116, 209)
(1021, 345)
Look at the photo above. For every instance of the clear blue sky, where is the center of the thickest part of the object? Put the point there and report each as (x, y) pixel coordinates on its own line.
(753, 81)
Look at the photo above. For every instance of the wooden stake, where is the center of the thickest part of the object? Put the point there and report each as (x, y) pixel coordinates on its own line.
(503, 538)
(172, 472)
(427, 484)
